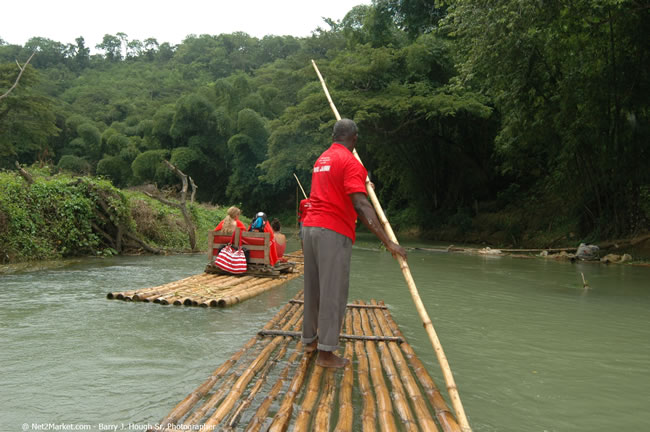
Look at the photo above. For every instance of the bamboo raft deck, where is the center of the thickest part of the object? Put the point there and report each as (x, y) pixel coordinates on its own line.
(271, 384)
(210, 290)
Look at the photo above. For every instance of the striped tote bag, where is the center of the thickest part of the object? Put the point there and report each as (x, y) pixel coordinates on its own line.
(230, 259)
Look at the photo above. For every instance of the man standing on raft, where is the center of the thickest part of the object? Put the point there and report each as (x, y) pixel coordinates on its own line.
(338, 197)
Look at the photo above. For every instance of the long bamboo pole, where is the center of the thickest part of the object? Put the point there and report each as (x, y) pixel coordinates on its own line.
(346, 411)
(443, 413)
(398, 395)
(309, 401)
(303, 191)
(323, 416)
(406, 271)
(418, 402)
(384, 404)
(369, 411)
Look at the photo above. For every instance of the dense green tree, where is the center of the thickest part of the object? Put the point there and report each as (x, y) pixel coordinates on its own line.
(92, 141)
(116, 169)
(248, 148)
(462, 106)
(112, 47)
(567, 78)
(80, 54)
(49, 53)
(74, 164)
(27, 121)
(148, 167)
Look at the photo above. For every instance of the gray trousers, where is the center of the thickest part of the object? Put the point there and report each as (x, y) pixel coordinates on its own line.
(327, 278)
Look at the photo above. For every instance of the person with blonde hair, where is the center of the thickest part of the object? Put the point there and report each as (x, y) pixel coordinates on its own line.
(231, 221)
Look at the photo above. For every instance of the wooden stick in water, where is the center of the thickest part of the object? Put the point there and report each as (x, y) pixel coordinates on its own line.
(406, 271)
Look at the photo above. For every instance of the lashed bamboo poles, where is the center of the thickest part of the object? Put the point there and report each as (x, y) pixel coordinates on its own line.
(234, 419)
(324, 410)
(406, 271)
(260, 415)
(369, 411)
(309, 401)
(188, 403)
(407, 381)
(193, 419)
(205, 290)
(398, 394)
(246, 377)
(443, 414)
(283, 415)
(346, 416)
(384, 405)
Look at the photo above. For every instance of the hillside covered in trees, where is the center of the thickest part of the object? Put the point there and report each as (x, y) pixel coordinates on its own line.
(520, 123)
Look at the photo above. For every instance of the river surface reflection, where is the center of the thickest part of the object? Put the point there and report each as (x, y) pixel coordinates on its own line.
(531, 350)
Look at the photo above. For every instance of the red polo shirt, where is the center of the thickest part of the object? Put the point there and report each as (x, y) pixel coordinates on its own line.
(303, 209)
(337, 174)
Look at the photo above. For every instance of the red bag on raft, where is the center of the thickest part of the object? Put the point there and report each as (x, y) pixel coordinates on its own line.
(230, 259)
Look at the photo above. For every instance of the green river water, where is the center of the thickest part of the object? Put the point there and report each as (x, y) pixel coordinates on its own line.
(530, 349)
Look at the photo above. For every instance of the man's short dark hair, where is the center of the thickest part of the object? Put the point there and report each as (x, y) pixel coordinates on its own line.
(343, 129)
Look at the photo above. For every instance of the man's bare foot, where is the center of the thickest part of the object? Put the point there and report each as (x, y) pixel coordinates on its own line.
(310, 347)
(330, 360)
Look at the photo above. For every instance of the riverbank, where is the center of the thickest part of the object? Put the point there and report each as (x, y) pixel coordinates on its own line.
(61, 216)
(56, 216)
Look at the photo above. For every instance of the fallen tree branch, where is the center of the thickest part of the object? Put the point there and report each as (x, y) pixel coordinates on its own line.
(27, 176)
(22, 69)
(194, 188)
(104, 234)
(162, 200)
(143, 244)
(191, 230)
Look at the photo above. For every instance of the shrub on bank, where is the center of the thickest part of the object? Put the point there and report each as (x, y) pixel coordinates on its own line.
(63, 215)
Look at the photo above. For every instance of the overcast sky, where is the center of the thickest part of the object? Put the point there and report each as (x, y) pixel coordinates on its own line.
(167, 21)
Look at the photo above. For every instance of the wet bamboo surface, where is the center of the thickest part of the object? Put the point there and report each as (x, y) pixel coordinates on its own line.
(270, 384)
(211, 290)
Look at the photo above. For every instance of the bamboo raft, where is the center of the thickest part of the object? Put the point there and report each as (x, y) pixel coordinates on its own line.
(210, 290)
(394, 388)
